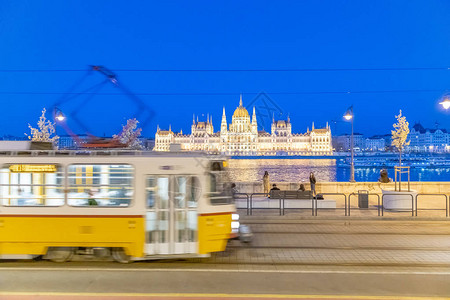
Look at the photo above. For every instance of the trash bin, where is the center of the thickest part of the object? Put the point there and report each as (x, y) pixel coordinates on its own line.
(363, 199)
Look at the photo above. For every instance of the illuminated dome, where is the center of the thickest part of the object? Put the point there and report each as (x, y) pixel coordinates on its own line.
(241, 111)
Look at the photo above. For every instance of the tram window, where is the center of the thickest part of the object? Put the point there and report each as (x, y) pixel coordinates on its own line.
(191, 225)
(194, 190)
(31, 185)
(163, 227)
(187, 191)
(180, 191)
(150, 227)
(216, 166)
(150, 191)
(163, 192)
(100, 185)
(213, 183)
(180, 226)
(220, 192)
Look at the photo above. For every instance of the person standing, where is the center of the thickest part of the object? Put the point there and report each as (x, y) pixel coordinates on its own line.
(266, 182)
(312, 181)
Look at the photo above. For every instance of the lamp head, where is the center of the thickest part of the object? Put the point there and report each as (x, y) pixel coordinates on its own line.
(348, 116)
(59, 115)
(445, 103)
(349, 113)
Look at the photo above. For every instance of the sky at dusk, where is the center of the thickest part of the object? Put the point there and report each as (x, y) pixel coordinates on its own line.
(310, 59)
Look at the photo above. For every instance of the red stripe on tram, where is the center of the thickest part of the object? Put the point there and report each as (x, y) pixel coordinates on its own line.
(215, 214)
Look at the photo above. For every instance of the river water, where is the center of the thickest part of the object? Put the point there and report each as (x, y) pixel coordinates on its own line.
(325, 170)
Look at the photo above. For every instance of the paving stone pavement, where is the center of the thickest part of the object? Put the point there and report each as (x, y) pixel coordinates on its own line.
(333, 257)
(298, 240)
(351, 240)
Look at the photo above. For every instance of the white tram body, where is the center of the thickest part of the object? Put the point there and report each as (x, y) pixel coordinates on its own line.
(138, 205)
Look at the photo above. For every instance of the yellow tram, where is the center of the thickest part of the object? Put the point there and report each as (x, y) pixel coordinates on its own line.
(135, 205)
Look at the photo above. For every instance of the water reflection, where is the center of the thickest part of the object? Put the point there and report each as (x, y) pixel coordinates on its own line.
(297, 170)
(282, 170)
(416, 174)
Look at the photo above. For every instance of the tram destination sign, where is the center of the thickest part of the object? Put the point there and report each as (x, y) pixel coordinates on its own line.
(33, 168)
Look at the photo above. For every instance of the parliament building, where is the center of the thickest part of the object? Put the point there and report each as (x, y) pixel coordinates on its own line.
(242, 137)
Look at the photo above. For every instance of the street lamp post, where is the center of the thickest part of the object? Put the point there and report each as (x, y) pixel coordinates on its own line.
(349, 116)
(58, 117)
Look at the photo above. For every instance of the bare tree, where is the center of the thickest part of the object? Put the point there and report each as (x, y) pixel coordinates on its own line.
(400, 135)
(130, 135)
(44, 131)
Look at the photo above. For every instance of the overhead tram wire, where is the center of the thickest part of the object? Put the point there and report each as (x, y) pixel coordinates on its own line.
(237, 70)
(226, 93)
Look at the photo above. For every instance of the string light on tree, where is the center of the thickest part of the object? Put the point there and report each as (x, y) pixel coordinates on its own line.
(45, 131)
(130, 135)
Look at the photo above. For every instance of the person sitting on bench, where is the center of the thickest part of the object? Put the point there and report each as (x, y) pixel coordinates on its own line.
(274, 188)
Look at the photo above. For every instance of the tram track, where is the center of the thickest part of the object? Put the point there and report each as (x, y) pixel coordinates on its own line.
(181, 264)
(273, 247)
(336, 264)
(343, 220)
(348, 233)
(346, 222)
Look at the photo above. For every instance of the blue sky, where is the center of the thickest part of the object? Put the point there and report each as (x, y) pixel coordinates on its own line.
(225, 35)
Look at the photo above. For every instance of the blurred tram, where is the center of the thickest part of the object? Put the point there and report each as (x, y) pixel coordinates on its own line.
(132, 206)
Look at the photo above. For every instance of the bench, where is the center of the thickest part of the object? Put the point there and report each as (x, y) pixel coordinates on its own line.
(279, 194)
(292, 199)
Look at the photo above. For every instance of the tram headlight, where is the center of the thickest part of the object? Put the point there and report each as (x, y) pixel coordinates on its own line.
(235, 223)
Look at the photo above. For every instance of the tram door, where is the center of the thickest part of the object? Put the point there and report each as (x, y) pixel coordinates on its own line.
(171, 216)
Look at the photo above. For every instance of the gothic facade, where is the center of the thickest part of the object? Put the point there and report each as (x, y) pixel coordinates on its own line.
(242, 137)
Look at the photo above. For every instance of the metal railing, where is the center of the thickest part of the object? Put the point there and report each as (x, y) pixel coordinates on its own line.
(260, 194)
(368, 194)
(446, 202)
(281, 202)
(310, 198)
(281, 198)
(330, 194)
(237, 195)
(393, 194)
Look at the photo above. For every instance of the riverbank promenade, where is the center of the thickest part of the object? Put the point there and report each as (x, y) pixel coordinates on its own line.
(360, 200)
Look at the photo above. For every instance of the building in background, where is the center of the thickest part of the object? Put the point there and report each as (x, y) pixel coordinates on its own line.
(375, 143)
(241, 137)
(14, 138)
(343, 142)
(68, 142)
(428, 140)
(423, 140)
